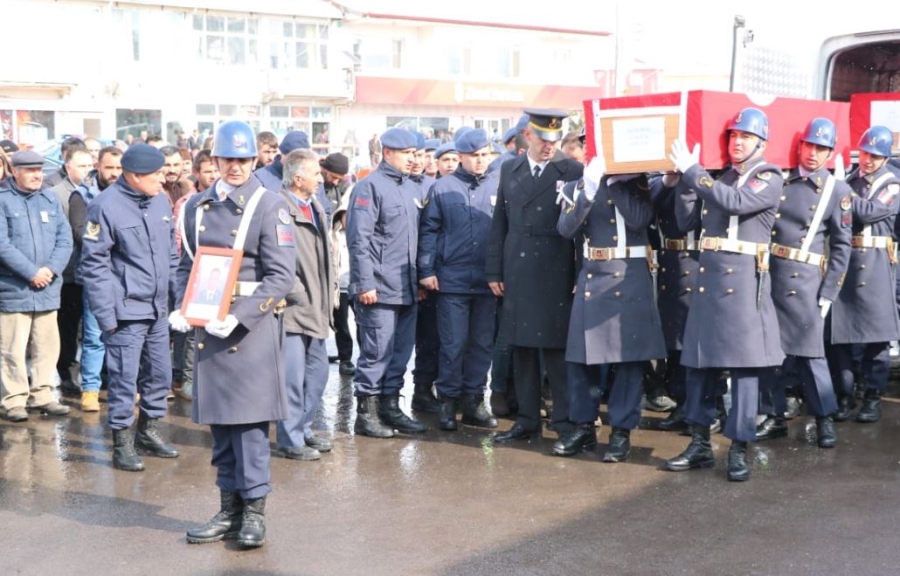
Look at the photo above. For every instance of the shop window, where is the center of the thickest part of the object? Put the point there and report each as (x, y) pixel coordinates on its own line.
(135, 121)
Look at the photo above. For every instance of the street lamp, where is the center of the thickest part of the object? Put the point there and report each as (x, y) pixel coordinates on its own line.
(739, 22)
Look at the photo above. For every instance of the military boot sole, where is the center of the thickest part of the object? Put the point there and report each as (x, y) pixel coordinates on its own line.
(151, 450)
(685, 466)
(614, 457)
(491, 423)
(448, 425)
(741, 476)
(867, 418)
(379, 433)
(573, 450)
(826, 442)
(136, 467)
(210, 539)
(251, 543)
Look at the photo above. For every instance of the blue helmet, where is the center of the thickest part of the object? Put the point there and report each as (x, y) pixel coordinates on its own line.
(820, 131)
(234, 139)
(752, 120)
(877, 140)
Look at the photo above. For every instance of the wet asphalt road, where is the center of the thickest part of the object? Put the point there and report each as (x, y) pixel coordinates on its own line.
(454, 504)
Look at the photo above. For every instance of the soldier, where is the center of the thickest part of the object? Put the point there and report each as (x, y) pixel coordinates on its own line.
(731, 324)
(452, 241)
(859, 315)
(239, 364)
(614, 318)
(128, 262)
(813, 219)
(447, 159)
(532, 267)
(382, 238)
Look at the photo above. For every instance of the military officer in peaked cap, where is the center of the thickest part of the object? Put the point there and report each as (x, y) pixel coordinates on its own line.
(239, 380)
(532, 267)
(128, 263)
(732, 322)
(813, 220)
(859, 316)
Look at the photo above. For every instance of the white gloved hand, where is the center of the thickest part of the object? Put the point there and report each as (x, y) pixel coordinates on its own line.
(840, 172)
(221, 328)
(681, 158)
(824, 307)
(178, 322)
(593, 173)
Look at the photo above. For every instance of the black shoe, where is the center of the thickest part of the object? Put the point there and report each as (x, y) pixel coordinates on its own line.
(447, 418)
(517, 432)
(738, 471)
(825, 435)
(698, 454)
(390, 413)
(225, 525)
(347, 368)
(303, 453)
(474, 412)
(793, 407)
(870, 411)
(619, 445)
(149, 440)
(423, 400)
(771, 427)
(367, 421)
(674, 421)
(125, 457)
(253, 524)
(499, 404)
(580, 438)
(319, 443)
(656, 400)
(846, 405)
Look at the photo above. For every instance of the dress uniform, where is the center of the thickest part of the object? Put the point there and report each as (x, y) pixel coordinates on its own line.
(452, 244)
(128, 263)
(382, 238)
(533, 267)
(239, 379)
(732, 322)
(614, 318)
(813, 220)
(860, 314)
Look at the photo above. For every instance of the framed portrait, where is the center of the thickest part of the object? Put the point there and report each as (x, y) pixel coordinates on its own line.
(211, 285)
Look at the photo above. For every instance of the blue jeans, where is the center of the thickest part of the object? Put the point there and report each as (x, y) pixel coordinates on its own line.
(92, 350)
(306, 376)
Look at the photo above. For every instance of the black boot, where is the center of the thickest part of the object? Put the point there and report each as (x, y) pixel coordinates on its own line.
(367, 421)
(738, 471)
(871, 407)
(447, 420)
(656, 400)
(581, 437)
(253, 524)
(148, 438)
(698, 454)
(793, 404)
(825, 435)
(674, 421)
(224, 525)
(772, 427)
(423, 400)
(846, 404)
(474, 412)
(124, 455)
(390, 413)
(619, 445)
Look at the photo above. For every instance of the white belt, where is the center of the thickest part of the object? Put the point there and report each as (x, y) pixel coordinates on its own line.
(729, 245)
(602, 254)
(871, 241)
(245, 288)
(797, 255)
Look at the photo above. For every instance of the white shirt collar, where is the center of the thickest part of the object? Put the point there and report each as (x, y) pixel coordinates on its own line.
(532, 163)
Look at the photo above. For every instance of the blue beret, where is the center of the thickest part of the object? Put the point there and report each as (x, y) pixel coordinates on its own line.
(26, 158)
(142, 159)
(444, 149)
(398, 139)
(432, 144)
(472, 140)
(460, 132)
(522, 124)
(294, 140)
(420, 140)
(510, 134)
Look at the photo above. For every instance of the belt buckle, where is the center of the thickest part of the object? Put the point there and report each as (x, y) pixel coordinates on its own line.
(599, 254)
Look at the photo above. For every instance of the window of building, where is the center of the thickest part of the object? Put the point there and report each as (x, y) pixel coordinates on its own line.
(381, 53)
(135, 122)
(298, 45)
(128, 24)
(205, 109)
(227, 40)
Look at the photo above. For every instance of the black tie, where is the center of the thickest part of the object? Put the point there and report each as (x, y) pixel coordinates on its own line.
(537, 171)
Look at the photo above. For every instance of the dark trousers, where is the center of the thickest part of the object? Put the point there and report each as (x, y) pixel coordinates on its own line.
(527, 368)
(68, 318)
(501, 365)
(306, 375)
(241, 455)
(586, 386)
(138, 361)
(342, 337)
(704, 385)
(425, 371)
(814, 379)
(387, 334)
(676, 377)
(875, 365)
(466, 327)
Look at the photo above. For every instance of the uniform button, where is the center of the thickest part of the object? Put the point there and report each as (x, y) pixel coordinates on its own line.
(618, 294)
(200, 345)
(701, 289)
(663, 287)
(587, 294)
(234, 232)
(862, 266)
(687, 273)
(861, 284)
(539, 208)
(729, 291)
(783, 198)
(663, 269)
(774, 232)
(590, 276)
(778, 215)
(239, 211)
(616, 275)
(730, 271)
(688, 290)
(232, 350)
(703, 231)
(206, 206)
(702, 269)
(792, 293)
(612, 220)
(794, 275)
(610, 202)
(521, 255)
(813, 207)
(202, 228)
(685, 254)
(615, 238)
(705, 212)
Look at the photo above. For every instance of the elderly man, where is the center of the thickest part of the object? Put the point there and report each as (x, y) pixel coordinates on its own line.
(272, 175)
(35, 245)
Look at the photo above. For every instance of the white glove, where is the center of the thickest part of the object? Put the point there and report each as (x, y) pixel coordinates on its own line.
(221, 328)
(824, 307)
(681, 158)
(179, 323)
(840, 172)
(593, 173)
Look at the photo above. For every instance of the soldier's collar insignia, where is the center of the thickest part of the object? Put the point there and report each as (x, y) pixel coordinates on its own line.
(283, 216)
(241, 200)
